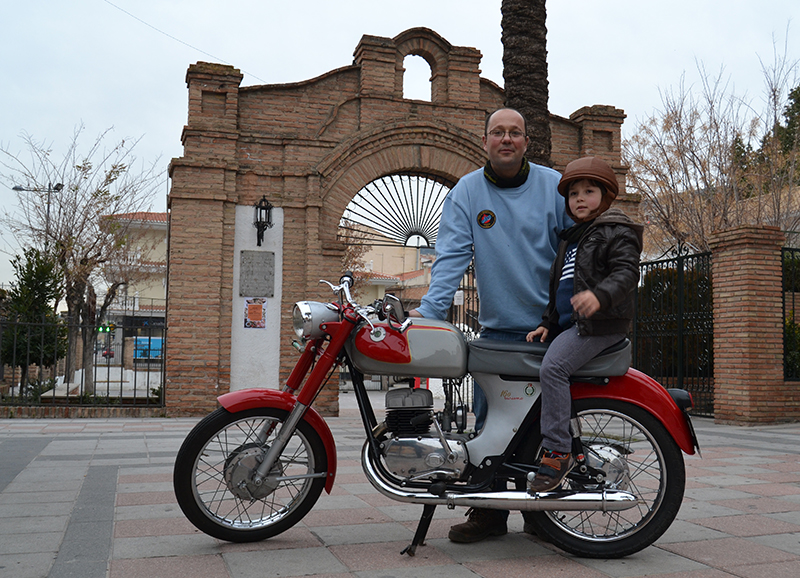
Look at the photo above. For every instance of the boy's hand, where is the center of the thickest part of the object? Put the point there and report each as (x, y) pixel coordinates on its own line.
(540, 332)
(585, 304)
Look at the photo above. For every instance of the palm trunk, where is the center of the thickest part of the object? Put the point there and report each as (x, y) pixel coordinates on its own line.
(525, 70)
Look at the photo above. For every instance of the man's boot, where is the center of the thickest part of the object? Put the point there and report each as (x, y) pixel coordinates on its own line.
(481, 524)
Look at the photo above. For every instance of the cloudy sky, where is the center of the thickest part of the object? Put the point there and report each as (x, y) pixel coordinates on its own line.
(122, 63)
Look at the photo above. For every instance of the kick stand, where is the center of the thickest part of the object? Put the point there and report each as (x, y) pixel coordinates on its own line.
(422, 530)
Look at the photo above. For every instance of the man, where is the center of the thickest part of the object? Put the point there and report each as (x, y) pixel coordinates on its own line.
(507, 217)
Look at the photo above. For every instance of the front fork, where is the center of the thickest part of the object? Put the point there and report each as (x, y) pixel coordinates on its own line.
(279, 444)
(339, 332)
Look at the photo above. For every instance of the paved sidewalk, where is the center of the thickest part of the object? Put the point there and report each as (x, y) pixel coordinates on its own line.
(92, 498)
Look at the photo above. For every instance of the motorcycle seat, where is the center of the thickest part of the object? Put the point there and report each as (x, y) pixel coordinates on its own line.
(523, 359)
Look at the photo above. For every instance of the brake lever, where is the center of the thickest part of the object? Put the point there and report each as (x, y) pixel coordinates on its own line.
(364, 312)
(339, 289)
(401, 327)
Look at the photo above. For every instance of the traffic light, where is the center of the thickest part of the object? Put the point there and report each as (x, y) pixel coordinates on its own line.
(102, 329)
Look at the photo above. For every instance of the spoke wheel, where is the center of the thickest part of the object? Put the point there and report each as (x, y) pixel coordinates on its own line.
(214, 468)
(637, 455)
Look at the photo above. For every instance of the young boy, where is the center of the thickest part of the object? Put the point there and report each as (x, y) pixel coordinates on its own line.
(592, 281)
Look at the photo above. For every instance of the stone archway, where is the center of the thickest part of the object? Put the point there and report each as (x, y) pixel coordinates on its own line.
(309, 147)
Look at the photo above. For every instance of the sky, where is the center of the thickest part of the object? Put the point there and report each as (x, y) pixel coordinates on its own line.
(122, 63)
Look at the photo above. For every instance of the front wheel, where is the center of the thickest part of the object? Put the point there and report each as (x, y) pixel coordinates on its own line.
(214, 467)
(637, 455)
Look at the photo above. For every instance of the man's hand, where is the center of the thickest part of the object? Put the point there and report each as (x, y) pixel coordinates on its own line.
(540, 332)
(585, 304)
(414, 313)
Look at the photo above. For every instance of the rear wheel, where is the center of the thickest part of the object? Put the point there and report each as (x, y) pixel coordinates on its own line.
(637, 455)
(215, 465)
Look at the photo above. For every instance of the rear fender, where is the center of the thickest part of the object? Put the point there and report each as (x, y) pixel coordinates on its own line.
(643, 391)
(245, 399)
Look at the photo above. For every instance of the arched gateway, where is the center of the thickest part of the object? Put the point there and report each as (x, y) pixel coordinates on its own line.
(309, 148)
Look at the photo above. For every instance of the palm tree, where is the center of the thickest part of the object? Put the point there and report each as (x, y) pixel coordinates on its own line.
(525, 70)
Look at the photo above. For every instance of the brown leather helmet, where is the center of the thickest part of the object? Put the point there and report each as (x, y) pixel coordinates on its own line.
(590, 168)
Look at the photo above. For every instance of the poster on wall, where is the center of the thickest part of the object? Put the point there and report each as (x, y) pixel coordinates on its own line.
(255, 312)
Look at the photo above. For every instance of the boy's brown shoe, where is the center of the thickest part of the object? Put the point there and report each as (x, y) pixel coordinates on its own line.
(481, 524)
(552, 471)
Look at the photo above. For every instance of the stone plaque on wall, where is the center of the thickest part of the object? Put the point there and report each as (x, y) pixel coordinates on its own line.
(257, 274)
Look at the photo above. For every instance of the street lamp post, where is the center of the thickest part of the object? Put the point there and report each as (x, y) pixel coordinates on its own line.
(50, 189)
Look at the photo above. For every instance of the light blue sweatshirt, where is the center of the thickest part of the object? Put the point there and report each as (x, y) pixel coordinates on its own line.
(514, 233)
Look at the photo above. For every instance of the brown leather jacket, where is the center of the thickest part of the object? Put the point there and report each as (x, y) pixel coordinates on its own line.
(606, 263)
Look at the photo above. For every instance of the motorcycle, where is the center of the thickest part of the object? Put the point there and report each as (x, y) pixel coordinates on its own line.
(255, 466)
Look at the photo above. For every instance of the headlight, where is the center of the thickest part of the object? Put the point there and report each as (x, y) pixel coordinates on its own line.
(307, 316)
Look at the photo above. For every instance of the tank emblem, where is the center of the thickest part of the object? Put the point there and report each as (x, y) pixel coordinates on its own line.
(486, 219)
(378, 334)
(529, 389)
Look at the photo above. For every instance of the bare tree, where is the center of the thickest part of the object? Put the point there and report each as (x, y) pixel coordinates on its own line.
(709, 160)
(525, 70)
(356, 239)
(76, 222)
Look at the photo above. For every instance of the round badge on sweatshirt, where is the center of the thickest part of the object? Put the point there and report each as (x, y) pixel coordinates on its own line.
(486, 219)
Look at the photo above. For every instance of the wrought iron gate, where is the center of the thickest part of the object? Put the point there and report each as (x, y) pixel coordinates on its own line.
(464, 315)
(674, 326)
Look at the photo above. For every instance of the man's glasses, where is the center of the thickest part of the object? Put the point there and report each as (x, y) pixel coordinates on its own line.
(514, 134)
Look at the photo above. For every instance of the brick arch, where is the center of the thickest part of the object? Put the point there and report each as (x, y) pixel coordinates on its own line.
(434, 149)
(434, 49)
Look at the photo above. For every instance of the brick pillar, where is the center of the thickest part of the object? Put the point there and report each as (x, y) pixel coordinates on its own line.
(377, 59)
(748, 332)
(202, 203)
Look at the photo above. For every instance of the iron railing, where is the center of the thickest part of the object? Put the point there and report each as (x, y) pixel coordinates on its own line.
(43, 364)
(464, 315)
(673, 328)
(791, 324)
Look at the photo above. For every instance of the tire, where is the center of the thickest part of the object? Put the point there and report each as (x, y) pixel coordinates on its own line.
(214, 465)
(653, 471)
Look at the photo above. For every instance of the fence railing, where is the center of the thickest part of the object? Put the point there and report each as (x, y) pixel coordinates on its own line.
(464, 315)
(46, 364)
(791, 317)
(673, 329)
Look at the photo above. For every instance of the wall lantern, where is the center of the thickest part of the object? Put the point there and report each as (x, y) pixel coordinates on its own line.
(262, 219)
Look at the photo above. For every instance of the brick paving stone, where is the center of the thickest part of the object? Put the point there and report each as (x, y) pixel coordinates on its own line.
(729, 553)
(748, 525)
(386, 555)
(212, 566)
(550, 565)
(758, 505)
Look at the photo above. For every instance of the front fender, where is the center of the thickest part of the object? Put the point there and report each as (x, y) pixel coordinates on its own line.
(643, 391)
(244, 399)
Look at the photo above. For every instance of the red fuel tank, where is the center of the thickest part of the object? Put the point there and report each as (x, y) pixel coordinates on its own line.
(428, 348)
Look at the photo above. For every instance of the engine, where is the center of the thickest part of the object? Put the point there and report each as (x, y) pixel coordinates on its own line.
(409, 411)
(412, 451)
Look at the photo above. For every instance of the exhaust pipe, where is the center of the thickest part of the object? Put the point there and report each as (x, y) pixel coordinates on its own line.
(562, 500)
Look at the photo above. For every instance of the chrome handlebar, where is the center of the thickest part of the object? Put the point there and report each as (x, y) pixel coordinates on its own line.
(390, 308)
